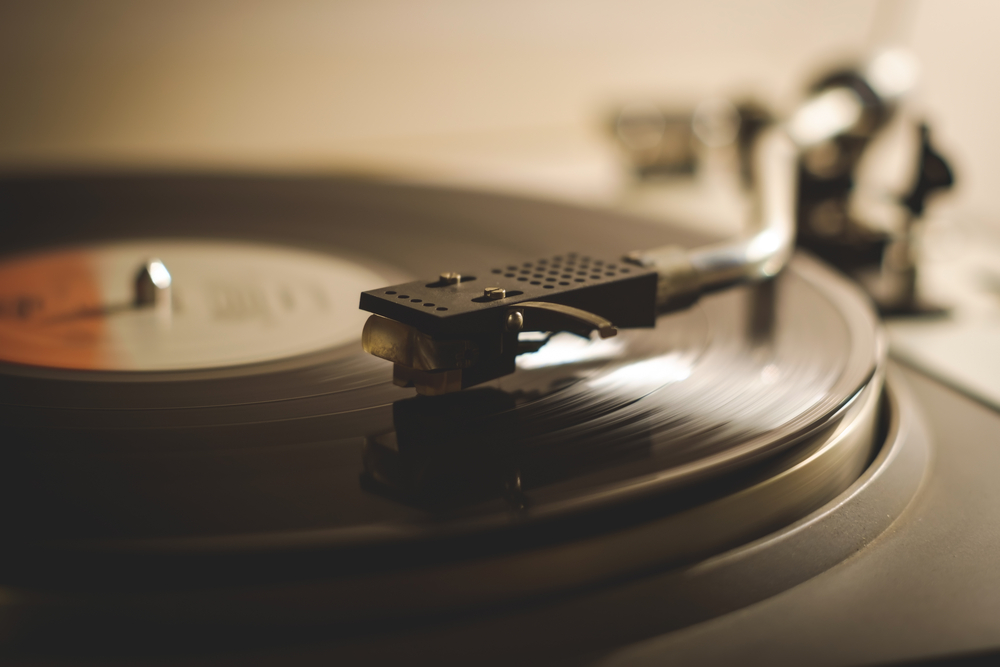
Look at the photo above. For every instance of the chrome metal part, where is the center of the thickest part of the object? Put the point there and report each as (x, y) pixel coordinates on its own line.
(515, 320)
(765, 251)
(832, 112)
(683, 275)
(152, 286)
(543, 316)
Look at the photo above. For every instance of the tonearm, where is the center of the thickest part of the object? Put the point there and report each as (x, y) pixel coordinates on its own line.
(462, 329)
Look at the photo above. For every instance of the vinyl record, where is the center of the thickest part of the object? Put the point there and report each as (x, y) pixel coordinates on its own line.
(250, 442)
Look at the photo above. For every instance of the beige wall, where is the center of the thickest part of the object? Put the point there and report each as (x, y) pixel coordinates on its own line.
(318, 85)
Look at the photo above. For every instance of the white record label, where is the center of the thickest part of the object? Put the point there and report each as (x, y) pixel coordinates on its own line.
(229, 303)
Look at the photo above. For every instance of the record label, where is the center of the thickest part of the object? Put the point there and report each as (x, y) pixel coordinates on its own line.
(229, 304)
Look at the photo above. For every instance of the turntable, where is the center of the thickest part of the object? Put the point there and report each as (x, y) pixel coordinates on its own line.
(540, 440)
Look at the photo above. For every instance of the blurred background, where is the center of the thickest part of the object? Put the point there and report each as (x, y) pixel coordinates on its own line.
(512, 96)
(504, 94)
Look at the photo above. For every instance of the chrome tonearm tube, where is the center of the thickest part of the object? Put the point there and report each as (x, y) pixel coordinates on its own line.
(765, 250)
